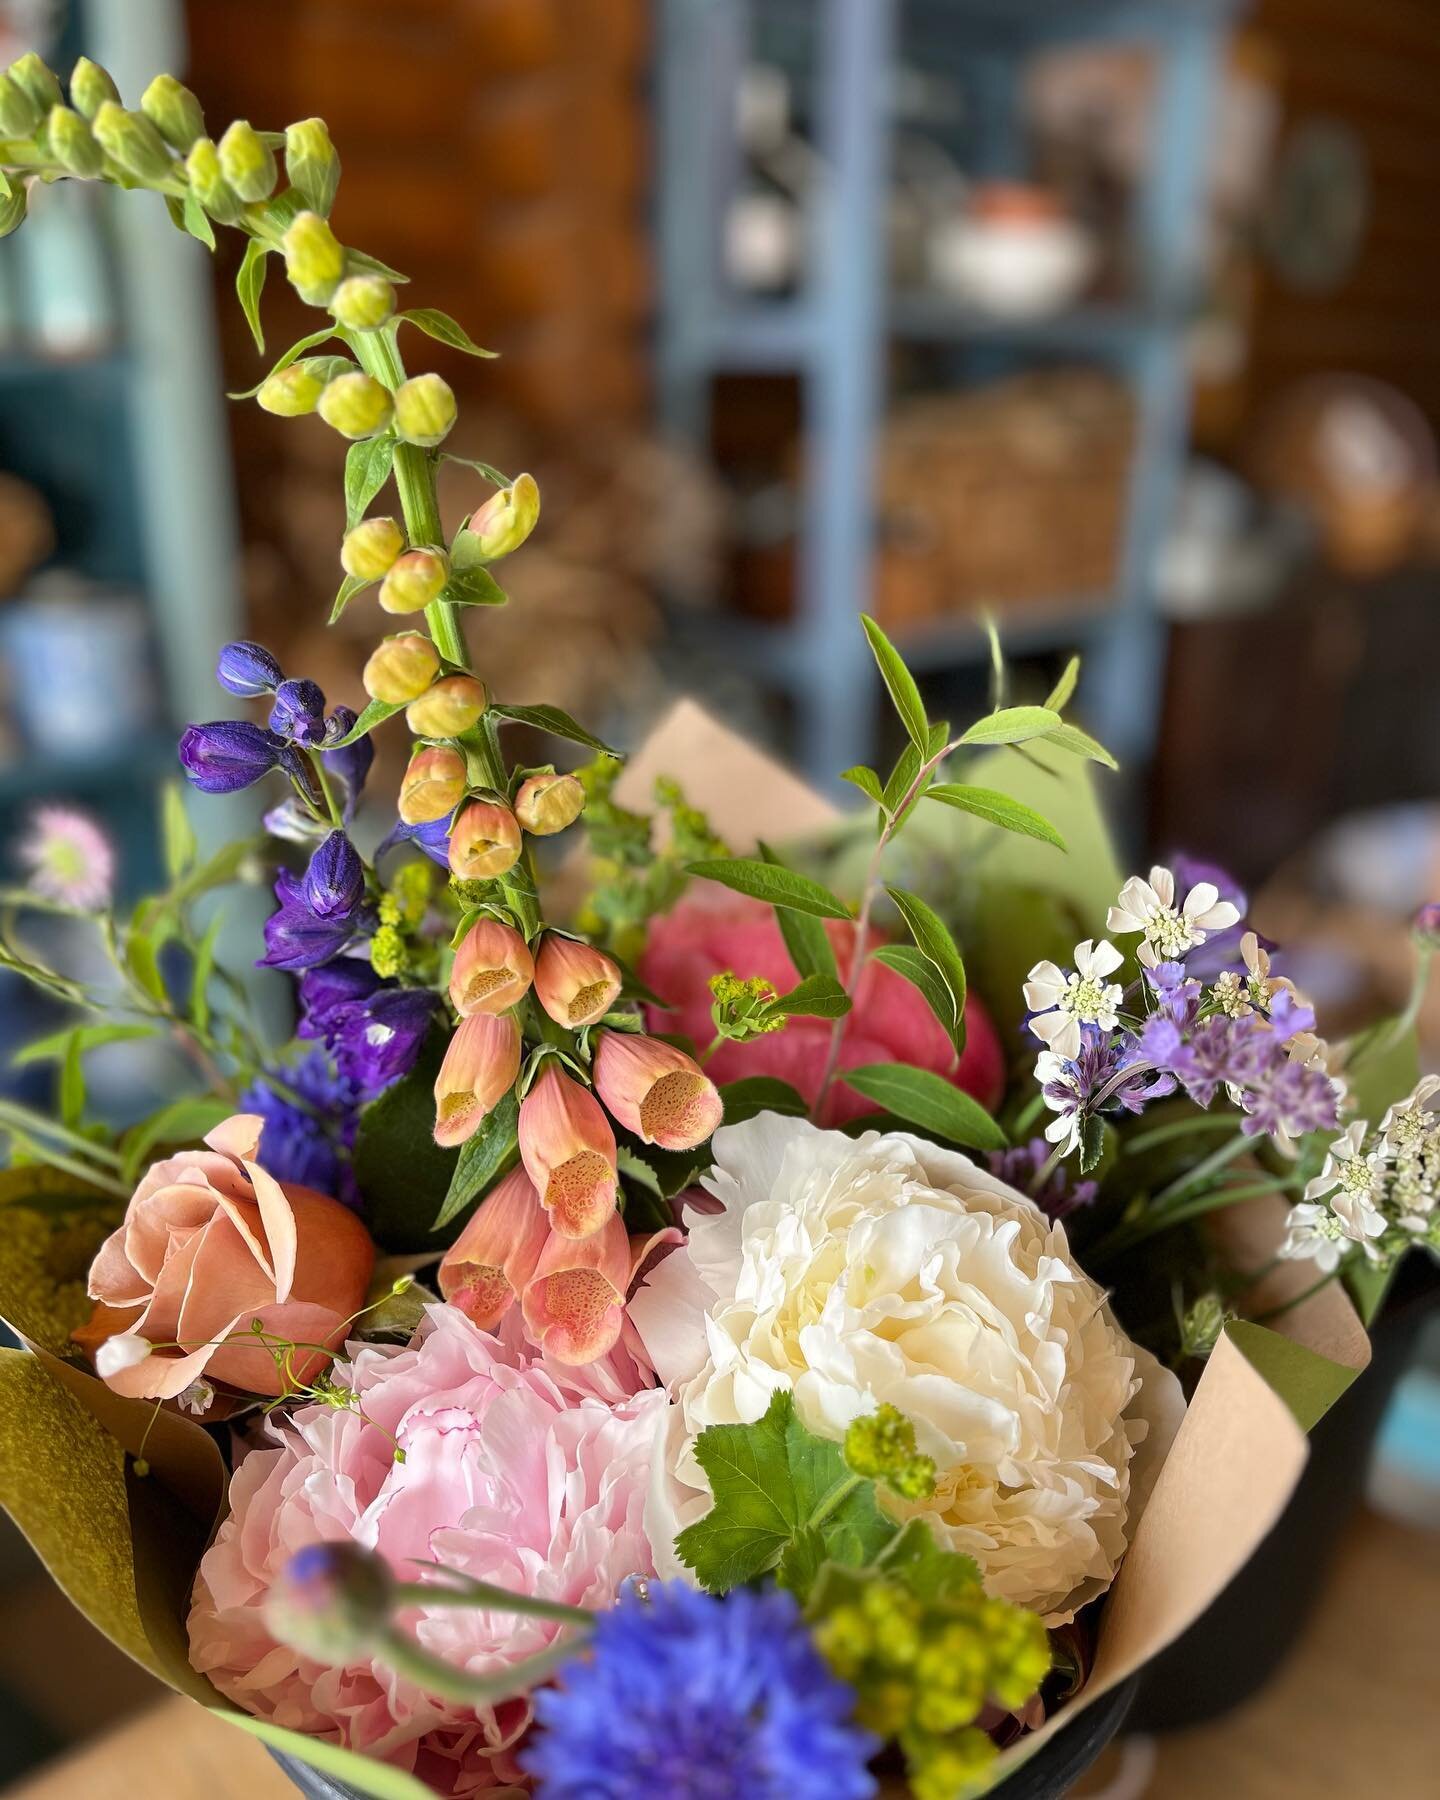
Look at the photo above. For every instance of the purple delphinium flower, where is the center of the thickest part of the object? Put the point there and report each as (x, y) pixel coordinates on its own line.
(299, 712)
(319, 912)
(373, 1030)
(692, 1697)
(433, 838)
(334, 884)
(230, 754)
(309, 1143)
(248, 670)
(326, 993)
(1059, 1196)
(350, 765)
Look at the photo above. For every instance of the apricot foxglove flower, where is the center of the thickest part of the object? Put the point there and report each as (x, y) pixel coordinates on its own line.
(656, 1091)
(1064, 1001)
(493, 969)
(574, 1301)
(69, 857)
(575, 983)
(1166, 930)
(568, 1150)
(479, 1069)
(484, 841)
(490, 1264)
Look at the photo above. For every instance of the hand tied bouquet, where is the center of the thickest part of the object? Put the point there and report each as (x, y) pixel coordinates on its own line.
(585, 1359)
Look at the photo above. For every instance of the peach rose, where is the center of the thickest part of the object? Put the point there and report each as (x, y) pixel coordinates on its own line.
(209, 1243)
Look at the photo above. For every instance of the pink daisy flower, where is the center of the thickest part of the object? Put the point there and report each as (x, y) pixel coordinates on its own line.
(69, 857)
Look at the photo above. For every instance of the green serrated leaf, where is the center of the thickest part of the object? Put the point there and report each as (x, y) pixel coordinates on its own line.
(557, 723)
(933, 940)
(176, 832)
(1012, 725)
(474, 587)
(899, 683)
(630, 1162)
(483, 1159)
(931, 1572)
(293, 354)
(929, 1101)
(367, 469)
(445, 330)
(773, 884)
(997, 809)
(249, 285)
(1092, 1142)
(922, 974)
(345, 593)
(816, 997)
(761, 1093)
(1064, 689)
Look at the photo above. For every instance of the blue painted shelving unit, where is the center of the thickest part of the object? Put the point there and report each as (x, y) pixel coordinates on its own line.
(835, 333)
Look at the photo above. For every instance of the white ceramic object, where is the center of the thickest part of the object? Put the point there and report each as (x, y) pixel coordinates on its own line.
(1014, 268)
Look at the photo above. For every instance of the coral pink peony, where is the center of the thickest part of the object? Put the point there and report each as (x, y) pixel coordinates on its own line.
(890, 1023)
(514, 1473)
(210, 1242)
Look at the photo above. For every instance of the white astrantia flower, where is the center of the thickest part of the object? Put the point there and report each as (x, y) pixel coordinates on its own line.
(1168, 931)
(853, 1272)
(1352, 1181)
(1062, 1001)
(1060, 1090)
(1313, 1234)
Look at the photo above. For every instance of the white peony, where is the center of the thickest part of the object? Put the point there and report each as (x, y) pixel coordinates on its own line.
(880, 1268)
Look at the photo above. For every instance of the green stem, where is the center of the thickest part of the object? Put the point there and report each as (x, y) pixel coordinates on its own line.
(1295, 1300)
(435, 1676)
(1212, 1164)
(327, 788)
(1177, 1128)
(469, 1592)
(1126, 1237)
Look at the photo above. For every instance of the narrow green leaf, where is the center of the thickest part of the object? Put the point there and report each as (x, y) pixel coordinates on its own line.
(557, 723)
(805, 936)
(488, 470)
(357, 262)
(177, 833)
(1080, 743)
(772, 884)
(903, 776)
(249, 285)
(899, 683)
(293, 354)
(867, 781)
(72, 1084)
(761, 1093)
(181, 1122)
(922, 974)
(1064, 688)
(929, 1101)
(483, 1158)
(90, 1037)
(997, 809)
(816, 997)
(445, 330)
(348, 589)
(474, 587)
(367, 469)
(200, 975)
(374, 714)
(1012, 725)
(933, 939)
(196, 222)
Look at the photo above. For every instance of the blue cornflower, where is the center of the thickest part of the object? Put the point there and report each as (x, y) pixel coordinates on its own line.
(309, 1144)
(687, 1697)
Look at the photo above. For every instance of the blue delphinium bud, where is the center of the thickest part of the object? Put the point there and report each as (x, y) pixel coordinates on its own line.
(299, 712)
(334, 885)
(229, 754)
(350, 765)
(248, 670)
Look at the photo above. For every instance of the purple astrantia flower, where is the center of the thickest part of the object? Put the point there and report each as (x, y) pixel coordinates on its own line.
(1059, 1196)
(230, 754)
(298, 714)
(320, 911)
(691, 1697)
(1111, 1073)
(309, 1143)
(248, 670)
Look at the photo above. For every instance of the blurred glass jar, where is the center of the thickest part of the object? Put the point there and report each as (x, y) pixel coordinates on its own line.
(80, 677)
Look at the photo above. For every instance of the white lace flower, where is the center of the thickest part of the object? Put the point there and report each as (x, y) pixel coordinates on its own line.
(1313, 1234)
(1168, 931)
(1060, 1090)
(1064, 1001)
(852, 1272)
(1235, 994)
(1352, 1180)
(1410, 1122)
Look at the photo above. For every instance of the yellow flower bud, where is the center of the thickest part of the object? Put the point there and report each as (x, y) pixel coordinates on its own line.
(314, 258)
(424, 410)
(546, 804)
(450, 707)
(32, 76)
(414, 580)
(434, 784)
(312, 164)
(400, 669)
(363, 302)
(292, 392)
(356, 405)
(132, 141)
(20, 116)
(505, 520)
(90, 87)
(174, 112)
(247, 161)
(208, 183)
(370, 549)
(484, 842)
(73, 143)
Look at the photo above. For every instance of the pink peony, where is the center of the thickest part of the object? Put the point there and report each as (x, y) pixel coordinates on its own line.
(891, 1021)
(516, 1471)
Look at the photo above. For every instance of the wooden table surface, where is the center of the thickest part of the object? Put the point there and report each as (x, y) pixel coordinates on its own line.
(1355, 1713)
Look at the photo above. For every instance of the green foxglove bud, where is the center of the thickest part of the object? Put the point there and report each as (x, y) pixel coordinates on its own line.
(414, 580)
(314, 258)
(445, 710)
(356, 405)
(132, 141)
(424, 410)
(292, 392)
(208, 183)
(400, 669)
(12, 208)
(363, 302)
(312, 164)
(73, 144)
(174, 112)
(370, 549)
(30, 74)
(90, 87)
(19, 115)
(247, 162)
(506, 519)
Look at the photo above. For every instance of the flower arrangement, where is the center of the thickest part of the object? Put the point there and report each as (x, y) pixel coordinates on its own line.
(721, 1339)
